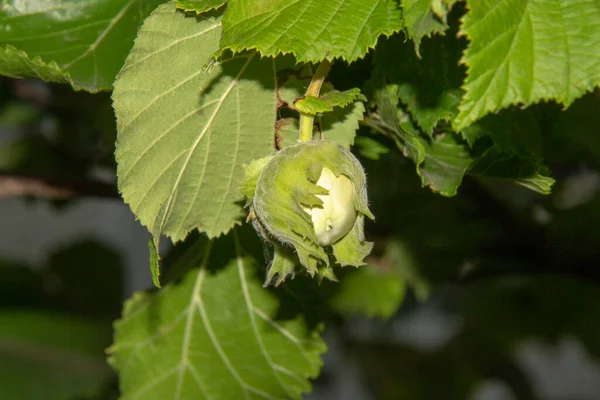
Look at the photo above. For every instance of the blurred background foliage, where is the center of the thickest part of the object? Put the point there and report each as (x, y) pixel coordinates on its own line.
(493, 271)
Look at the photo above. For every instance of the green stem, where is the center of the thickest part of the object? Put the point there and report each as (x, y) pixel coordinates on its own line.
(307, 120)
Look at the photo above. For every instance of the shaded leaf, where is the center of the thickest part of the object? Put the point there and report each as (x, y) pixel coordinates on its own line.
(446, 161)
(213, 336)
(515, 132)
(441, 161)
(429, 87)
(184, 136)
(311, 31)
(62, 355)
(370, 148)
(521, 52)
(525, 172)
(369, 291)
(83, 43)
(576, 135)
(341, 124)
(424, 18)
(400, 259)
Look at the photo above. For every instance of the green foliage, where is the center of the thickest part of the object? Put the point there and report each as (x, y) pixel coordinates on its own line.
(337, 123)
(312, 105)
(343, 99)
(62, 354)
(344, 29)
(154, 262)
(495, 164)
(214, 334)
(82, 43)
(370, 291)
(195, 127)
(413, 95)
(524, 52)
(326, 103)
(341, 125)
(477, 101)
(16, 63)
(55, 335)
(441, 162)
(370, 148)
(423, 18)
(430, 94)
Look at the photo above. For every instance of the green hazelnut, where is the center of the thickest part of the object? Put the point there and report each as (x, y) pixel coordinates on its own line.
(333, 219)
(309, 200)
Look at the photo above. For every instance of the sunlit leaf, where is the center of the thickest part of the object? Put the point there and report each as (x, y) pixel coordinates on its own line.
(184, 134)
(344, 29)
(522, 52)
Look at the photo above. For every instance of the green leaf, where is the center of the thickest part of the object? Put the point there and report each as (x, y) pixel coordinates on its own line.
(326, 102)
(431, 93)
(184, 135)
(311, 31)
(525, 172)
(370, 148)
(395, 120)
(154, 262)
(16, 63)
(371, 291)
(342, 99)
(16, 113)
(441, 161)
(51, 356)
(199, 6)
(399, 256)
(83, 43)
(292, 89)
(251, 174)
(522, 52)
(515, 132)
(576, 136)
(312, 105)
(424, 18)
(446, 162)
(341, 124)
(213, 335)
(286, 132)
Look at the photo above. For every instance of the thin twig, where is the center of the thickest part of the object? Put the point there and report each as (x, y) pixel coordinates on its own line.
(18, 185)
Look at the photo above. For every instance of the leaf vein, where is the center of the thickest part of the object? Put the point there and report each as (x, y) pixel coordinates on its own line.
(197, 142)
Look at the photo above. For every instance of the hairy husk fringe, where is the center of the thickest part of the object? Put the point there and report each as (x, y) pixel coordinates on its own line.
(282, 190)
